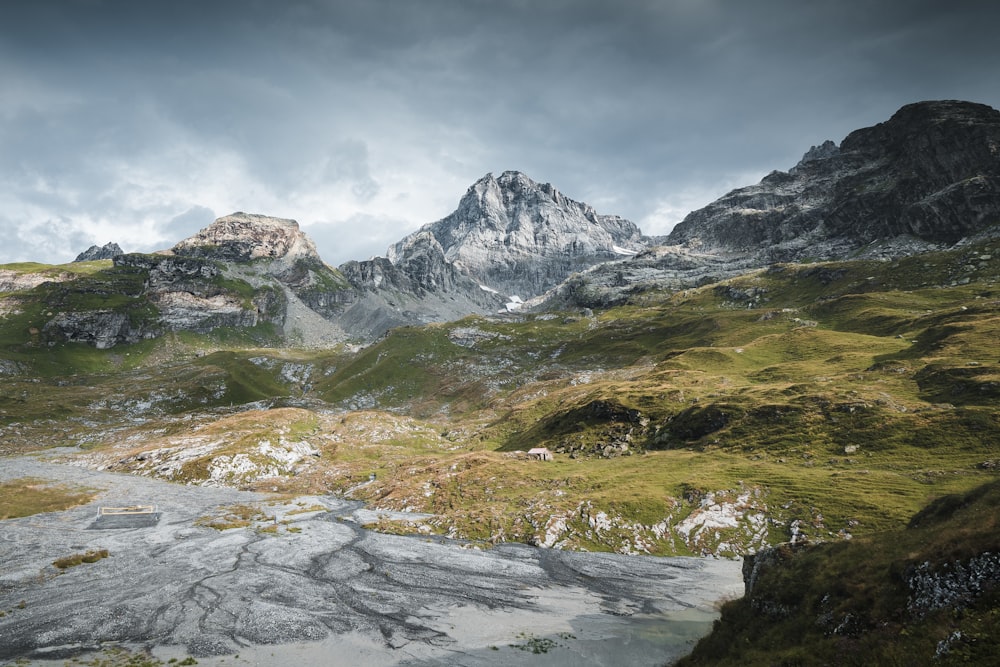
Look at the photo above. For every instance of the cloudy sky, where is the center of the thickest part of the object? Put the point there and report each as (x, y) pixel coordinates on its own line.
(139, 122)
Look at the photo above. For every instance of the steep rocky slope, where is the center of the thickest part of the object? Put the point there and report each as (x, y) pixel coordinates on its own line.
(420, 287)
(926, 179)
(521, 238)
(926, 595)
(930, 173)
(510, 238)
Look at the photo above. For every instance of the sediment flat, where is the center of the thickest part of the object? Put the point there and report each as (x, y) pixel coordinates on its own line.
(319, 589)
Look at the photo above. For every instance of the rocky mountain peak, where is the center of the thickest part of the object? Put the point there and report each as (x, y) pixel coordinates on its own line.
(520, 237)
(825, 150)
(921, 116)
(242, 237)
(94, 252)
(929, 175)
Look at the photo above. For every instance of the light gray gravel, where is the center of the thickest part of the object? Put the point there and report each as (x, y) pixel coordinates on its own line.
(328, 592)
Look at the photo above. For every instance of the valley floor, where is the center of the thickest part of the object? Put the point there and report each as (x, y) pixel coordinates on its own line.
(233, 577)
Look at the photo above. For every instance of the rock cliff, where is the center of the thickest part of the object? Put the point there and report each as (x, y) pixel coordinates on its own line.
(240, 272)
(520, 237)
(421, 287)
(267, 252)
(926, 178)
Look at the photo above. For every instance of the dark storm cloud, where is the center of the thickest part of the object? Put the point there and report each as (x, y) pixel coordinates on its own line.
(131, 121)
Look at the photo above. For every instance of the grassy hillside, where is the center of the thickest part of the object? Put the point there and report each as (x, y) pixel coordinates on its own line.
(822, 400)
(923, 595)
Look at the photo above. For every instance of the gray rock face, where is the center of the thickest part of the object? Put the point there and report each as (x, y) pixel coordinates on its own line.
(274, 254)
(94, 252)
(242, 237)
(422, 287)
(662, 267)
(189, 296)
(101, 328)
(931, 172)
(177, 294)
(521, 238)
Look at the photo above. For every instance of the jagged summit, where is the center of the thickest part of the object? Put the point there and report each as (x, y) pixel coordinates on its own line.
(521, 237)
(243, 237)
(825, 150)
(106, 251)
(927, 177)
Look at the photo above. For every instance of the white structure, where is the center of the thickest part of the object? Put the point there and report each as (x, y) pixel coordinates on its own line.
(540, 454)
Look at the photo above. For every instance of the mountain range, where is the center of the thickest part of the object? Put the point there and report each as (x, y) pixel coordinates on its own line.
(792, 374)
(926, 179)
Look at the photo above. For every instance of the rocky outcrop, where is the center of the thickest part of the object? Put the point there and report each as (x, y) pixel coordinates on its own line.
(156, 293)
(951, 585)
(421, 287)
(661, 267)
(192, 295)
(930, 173)
(16, 281)
(243, 237)
(101, 328)
(273, 254)
(95, 252)
(520, 237)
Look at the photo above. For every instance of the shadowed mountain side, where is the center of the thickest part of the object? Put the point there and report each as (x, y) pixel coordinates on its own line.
(926, 178)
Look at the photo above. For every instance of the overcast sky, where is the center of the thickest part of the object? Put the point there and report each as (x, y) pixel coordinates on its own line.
(140, 122)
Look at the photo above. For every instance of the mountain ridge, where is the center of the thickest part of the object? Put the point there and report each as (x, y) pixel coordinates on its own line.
(931, 172)
(522, 238)
(923, 180)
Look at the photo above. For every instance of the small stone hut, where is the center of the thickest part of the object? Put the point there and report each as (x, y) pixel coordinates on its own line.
(540, 454)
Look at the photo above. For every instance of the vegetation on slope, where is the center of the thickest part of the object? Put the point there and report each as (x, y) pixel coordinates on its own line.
(927, 594)
(821, 400)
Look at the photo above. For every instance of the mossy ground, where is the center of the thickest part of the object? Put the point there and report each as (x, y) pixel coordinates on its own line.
(73, 560)
(28, 496)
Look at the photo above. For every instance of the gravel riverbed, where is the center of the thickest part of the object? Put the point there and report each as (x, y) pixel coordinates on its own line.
(315, 588)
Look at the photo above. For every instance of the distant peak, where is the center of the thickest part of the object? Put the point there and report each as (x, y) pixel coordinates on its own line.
(106, 251)
(247, 236)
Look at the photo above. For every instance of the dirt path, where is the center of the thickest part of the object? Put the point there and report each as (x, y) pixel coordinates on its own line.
(323, 591)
